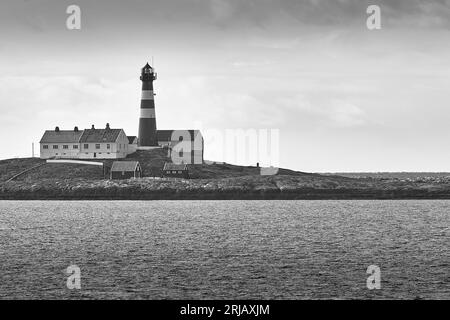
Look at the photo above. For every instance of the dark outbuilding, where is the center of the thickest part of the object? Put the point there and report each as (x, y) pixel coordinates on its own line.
(173, 170)
(125, 170)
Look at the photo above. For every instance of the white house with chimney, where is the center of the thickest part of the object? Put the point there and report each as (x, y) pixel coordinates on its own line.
(86, 144)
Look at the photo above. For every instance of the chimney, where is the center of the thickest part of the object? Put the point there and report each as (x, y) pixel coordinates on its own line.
(57, 129)
(93, 127)
(75, 129)
(107, 126)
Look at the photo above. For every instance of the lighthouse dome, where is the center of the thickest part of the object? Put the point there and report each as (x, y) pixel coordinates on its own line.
(148, 73)
(147, 69)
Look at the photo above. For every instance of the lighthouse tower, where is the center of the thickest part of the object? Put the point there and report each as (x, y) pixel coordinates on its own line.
(147, 120)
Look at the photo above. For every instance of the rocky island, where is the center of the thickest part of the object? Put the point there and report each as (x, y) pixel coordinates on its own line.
(41, 180)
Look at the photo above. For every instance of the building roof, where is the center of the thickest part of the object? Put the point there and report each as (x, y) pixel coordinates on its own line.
(100, 135)
(119, 166)
(173, 166)
(132, 139)
(62, 136)
(166, 135)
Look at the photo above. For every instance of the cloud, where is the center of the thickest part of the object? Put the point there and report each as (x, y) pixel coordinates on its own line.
(328, 112)
(221, 9)
(345, 114)
(65, 101)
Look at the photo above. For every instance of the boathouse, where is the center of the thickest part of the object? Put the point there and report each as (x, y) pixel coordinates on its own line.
(172, 170)
(125, 170)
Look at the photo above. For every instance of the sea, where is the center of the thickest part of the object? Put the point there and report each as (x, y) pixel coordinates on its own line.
(225, 249)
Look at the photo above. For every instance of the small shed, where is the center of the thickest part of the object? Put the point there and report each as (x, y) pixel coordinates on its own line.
(125, 170)
(173, 170)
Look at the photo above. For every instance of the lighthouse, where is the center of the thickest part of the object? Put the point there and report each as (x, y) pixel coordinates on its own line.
(147, 119)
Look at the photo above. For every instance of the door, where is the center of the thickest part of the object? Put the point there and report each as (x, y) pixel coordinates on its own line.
(95, 155)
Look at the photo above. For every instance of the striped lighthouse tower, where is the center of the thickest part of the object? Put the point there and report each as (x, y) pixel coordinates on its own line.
(147, 120)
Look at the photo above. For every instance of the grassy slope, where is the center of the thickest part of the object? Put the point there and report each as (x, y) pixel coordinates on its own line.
(151, 162)
(10, 167)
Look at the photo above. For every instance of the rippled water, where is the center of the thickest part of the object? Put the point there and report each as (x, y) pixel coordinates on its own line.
(225, 249)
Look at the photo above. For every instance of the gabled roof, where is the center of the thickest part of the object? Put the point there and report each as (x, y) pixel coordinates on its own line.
(119, 166)
(166, 135)
(173, 166)
(62, 136)
(132, 139)
(100, 135)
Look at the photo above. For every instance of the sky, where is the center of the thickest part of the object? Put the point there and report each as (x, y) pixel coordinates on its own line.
(343, 98)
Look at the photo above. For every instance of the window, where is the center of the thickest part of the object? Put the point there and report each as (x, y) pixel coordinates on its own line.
(181, 138)
(181, 154)
(86, 146)
(65, 146)
(75, 146)
(45, 146)
(108, 146)
(97, 146)
(55, 146)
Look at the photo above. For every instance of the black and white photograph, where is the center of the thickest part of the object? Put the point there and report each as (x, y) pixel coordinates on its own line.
(225, 155)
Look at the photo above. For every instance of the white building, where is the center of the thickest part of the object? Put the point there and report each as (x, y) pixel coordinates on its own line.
(132, 144)
(87, 144)
(186, 146)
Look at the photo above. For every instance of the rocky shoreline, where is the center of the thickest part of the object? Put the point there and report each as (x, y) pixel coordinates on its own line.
(305, 187)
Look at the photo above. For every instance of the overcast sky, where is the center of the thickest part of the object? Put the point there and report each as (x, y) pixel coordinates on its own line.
(344, 98)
